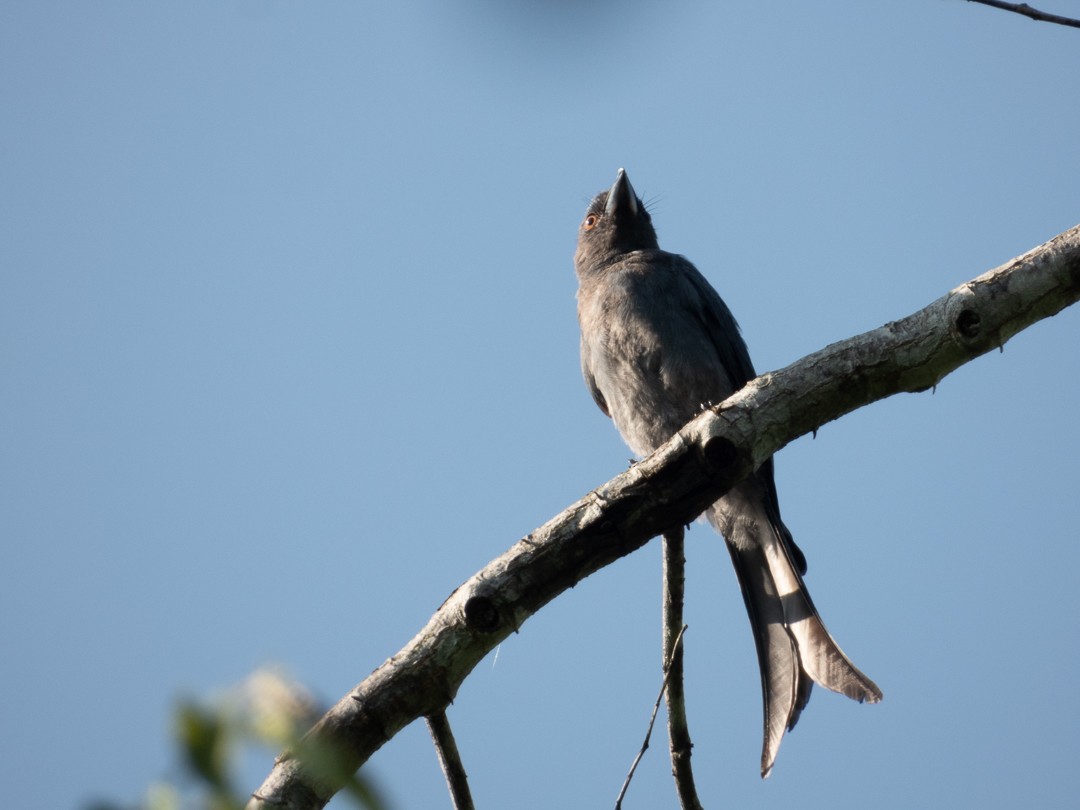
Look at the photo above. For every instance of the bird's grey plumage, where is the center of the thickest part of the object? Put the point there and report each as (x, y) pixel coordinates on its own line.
(657, 342)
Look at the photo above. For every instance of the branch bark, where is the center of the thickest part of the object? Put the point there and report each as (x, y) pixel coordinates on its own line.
(670, 488)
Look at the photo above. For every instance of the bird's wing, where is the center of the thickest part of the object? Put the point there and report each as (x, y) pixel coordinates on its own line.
(718, 322)
(720, 325)
(590, 380)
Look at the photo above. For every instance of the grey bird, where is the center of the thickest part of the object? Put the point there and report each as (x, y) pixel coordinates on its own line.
(657, 342)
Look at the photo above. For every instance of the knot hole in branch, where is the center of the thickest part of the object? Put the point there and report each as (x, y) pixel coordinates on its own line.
(721, 455)
(968, 323)
(481, 614)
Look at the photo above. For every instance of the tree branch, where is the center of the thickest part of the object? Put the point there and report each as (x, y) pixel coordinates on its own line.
(678, 730)
(670, 488)
(1032, 13)
(456, 780)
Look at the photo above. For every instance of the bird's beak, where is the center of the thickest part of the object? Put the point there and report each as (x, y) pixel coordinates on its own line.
(621, 197)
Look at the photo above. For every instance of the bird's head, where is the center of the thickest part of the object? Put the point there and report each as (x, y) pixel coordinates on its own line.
(615, 223)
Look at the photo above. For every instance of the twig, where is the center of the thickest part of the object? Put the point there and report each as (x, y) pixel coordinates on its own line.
(652, 722)
(678, 730)
(1027, 11)
(450, 760)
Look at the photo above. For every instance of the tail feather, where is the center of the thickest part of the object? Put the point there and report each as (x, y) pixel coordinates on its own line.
(794, 648)
(819, 654)
(785, 687)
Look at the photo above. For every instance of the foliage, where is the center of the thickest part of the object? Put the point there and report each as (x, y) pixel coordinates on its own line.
(266, 711)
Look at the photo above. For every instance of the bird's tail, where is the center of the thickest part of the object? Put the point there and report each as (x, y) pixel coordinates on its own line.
(794, 648)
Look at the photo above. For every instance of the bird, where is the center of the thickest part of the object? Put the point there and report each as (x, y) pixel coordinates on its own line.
(658, 344)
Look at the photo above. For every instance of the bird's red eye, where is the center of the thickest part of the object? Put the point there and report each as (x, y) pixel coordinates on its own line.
(590, 222)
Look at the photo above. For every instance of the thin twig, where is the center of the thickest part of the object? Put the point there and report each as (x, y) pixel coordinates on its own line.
(648, 732)
(1027, 11)
(678, 730)
(450, 760)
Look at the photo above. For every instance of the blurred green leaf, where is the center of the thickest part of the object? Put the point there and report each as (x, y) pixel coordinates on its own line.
(267, 709)
(203, 740)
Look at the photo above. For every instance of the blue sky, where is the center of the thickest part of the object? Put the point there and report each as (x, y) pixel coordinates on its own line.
(288, 350)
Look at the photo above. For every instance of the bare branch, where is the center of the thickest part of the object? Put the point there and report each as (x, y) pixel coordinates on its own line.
(1032, 13)
(678, 729)
(450, 760)
(652, 721)
(670, 488)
